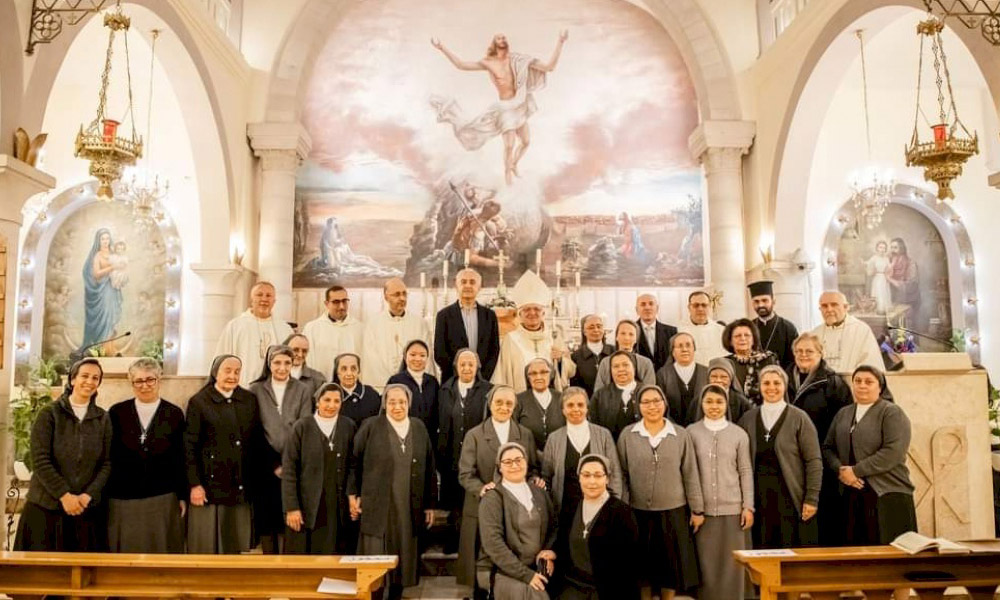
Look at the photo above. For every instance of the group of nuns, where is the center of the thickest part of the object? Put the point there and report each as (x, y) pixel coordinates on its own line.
(630, 491)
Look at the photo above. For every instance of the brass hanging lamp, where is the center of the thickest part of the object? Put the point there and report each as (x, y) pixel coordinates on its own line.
(100, 143)
(951, 145)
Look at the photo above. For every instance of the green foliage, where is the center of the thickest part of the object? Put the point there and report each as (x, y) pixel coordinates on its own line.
(994, 399)
(35, 395)
(958, 340)
(152, 349)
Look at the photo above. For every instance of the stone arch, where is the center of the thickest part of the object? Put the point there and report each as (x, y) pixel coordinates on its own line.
(189, 75)
(819, 75)
(958, 248)
(683, 20)
(34, 261)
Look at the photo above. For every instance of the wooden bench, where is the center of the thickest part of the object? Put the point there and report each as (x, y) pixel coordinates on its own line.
(824, 573)
(185, 575)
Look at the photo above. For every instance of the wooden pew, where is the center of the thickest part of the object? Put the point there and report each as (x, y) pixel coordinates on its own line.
(874, 570)
(88, 575)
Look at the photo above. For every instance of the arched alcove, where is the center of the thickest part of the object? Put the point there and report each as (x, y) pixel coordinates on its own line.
(941, 286)
(51, 297)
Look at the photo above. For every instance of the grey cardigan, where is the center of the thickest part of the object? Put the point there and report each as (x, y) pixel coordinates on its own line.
(554, 460)
(501, 539)
(662, 480)
(725, 468)
(645, 373)
(797, 447)
(881, 439)
(297, 403)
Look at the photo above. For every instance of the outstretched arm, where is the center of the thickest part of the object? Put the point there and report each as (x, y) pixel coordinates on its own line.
(459, 63)
(551, 65)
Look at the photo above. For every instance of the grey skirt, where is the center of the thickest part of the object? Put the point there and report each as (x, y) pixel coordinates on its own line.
(721, 575)
(217, 529)
(145, 525)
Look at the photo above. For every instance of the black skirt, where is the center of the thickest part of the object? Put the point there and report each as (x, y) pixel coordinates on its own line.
(667, 546)
(268, 515)
(873, 520)
(42, 530)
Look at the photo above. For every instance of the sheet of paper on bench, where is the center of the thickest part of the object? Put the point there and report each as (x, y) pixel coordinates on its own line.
(372, 558)
(329, 585)
(766, 552)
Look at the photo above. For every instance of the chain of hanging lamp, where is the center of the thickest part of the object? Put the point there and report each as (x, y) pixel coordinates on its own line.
(871, 192)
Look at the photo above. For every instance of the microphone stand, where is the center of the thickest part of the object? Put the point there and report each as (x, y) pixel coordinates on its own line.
(81, 352)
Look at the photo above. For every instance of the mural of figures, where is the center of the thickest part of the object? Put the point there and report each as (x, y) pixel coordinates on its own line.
(499, 129)
(897, 275)
(104, 276)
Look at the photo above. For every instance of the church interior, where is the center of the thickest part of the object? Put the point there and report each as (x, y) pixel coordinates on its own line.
(168, 167)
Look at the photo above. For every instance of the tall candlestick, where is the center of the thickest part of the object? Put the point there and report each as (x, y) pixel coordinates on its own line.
(558, 271)
(423, 280)
(538, 261)
(466, 258)
(577, 280)
(444, 275)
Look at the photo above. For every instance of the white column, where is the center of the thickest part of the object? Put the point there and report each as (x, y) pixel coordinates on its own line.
(719, 146)
(281, 147)
(18, 182)
(219, 283)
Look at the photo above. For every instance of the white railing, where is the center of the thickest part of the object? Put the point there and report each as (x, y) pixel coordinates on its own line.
(222, 13)
(775, 16)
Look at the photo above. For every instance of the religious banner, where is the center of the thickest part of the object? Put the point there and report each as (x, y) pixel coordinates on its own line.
(524, 130)
(104, 276)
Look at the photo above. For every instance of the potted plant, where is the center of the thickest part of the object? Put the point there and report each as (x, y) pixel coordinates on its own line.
(34, 395)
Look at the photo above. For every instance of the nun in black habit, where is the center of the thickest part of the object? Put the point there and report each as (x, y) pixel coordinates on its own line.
(222, 442)
(317, 464)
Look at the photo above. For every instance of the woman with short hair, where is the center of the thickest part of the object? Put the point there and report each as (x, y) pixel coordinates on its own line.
(71, 460)
(392, 492)
(661, 478)
(788, 467)
(316, 466)
(597, 544)
(742, 339)
(281, 401)
(147, 491)
(538, 407)
(518, 529)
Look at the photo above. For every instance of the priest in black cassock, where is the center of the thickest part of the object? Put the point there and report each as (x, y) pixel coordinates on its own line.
(776, 333)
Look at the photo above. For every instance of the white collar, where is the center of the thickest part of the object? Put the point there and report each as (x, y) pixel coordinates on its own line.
(326, 424)
(579, 435)
(654, 440)
(770, 412)
(544, 398)
(401, 427)
(278, 384)
(463, 388)
(595, 347)
(417, 376)
(502, 429)
(861, 409)
(521, 492)
(716, 424)
(297, 371)
(646, 325)
(685, 373)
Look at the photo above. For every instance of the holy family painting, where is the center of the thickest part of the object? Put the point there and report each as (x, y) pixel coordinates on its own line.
(897, 273)
(489, 132)
(104, 276)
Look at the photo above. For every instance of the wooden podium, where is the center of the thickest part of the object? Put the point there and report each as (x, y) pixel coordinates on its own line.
(946, 400)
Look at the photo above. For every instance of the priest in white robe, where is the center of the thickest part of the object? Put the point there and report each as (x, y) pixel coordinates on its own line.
(707, 333)
(333, 333)
(848, 342)
(387, 334)
(532, 338)
(249, 335)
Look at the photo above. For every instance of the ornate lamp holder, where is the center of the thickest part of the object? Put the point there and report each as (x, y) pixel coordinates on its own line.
(100, 143)
(943, 156)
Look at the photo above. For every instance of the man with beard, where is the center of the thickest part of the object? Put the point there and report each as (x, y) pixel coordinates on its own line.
(776, 333)
(516, 76)
(387, 334)
(333, 332)
(249, 335)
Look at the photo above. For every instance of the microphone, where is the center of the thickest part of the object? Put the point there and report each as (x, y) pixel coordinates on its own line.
(948, 343)
(81, 352)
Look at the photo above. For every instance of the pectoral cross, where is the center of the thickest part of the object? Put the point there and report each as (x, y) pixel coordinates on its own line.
(142, 438)
(767, 436)
(330, 444)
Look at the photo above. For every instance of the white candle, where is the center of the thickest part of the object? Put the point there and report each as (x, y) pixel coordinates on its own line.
(577, 280)
(466, 257)
(444, 278)
(538, 261)
(558, 271)
(423, 280)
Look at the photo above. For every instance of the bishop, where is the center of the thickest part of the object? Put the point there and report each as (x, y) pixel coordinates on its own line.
(531, 338)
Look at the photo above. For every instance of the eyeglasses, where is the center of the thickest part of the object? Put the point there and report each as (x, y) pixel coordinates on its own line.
(512, 462)
(335, 302)
(805, 352)
(147, 381)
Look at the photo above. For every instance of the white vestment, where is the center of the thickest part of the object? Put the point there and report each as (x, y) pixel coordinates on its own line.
(517, 349)
(327, 339)
(248, 337)
(501, 116)
(385, 338)
(707, 340)
(849, 346)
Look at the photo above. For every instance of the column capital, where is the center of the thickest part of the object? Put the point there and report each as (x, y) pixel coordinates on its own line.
(709, 135)
(20, 181)
(219, 279)
(279, 138)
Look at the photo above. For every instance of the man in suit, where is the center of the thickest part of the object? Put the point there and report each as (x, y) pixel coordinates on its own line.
(466, 324)
(654, 336)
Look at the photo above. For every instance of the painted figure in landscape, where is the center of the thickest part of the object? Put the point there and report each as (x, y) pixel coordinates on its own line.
(903, 276)
(877, 268)
(103, 299)
(516, 77)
